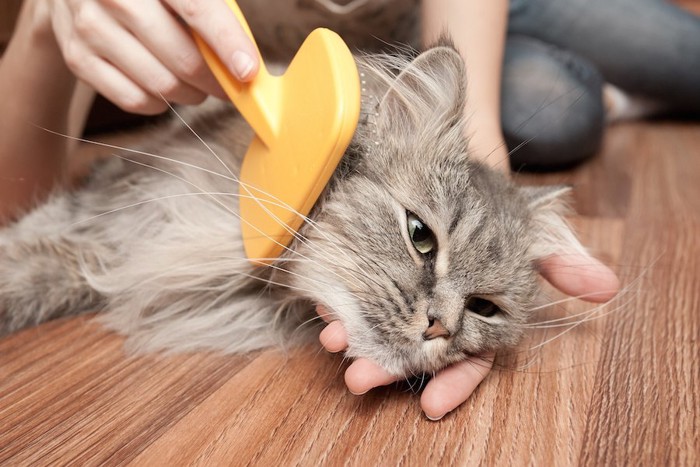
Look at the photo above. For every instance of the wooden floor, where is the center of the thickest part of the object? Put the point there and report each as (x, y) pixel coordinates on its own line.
(619, 389)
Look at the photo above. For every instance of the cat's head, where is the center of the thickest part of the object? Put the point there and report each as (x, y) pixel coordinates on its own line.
(425, 255)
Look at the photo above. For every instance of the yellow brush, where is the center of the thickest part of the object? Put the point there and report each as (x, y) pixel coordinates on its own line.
(303, 122)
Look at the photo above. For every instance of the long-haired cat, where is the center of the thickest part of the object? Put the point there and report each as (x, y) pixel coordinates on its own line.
(425, 255)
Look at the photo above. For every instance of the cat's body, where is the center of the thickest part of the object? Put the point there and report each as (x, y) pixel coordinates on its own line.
(425, 255)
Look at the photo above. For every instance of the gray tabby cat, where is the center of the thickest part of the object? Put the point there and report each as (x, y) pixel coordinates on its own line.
(425, 256)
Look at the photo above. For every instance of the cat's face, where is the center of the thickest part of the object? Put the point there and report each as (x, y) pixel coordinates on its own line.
(426, 257)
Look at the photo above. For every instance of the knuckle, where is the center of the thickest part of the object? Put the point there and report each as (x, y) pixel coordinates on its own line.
(86, 19)
(73, 56)
(114, 4)
(192, 9)
(134, 103)
(130, 105)
(122, 8)
(190, 66)
(226, 35)
(166, 85)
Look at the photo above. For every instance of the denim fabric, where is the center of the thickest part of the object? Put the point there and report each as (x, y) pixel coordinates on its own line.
(645, 47)
(552, 107)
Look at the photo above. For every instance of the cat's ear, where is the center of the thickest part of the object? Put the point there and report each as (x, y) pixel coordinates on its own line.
(431, 87)
(548, 207)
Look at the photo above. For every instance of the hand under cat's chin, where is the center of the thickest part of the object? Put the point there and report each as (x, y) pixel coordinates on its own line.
(446, 391)
(453, 385)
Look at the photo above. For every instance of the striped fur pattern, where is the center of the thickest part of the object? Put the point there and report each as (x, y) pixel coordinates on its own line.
(153, 237)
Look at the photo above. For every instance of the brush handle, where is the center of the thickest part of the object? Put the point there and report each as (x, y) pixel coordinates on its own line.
(258, 100)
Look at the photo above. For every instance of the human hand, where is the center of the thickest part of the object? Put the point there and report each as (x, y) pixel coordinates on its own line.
(135, 52)
(577, 275)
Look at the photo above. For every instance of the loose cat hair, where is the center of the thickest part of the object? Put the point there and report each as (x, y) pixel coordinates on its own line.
(426, 255)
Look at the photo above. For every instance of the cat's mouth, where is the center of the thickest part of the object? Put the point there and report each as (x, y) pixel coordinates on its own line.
(420, 349)
(414, 356)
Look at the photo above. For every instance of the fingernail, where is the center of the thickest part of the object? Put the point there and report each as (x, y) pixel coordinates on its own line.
(242, 65)
(358, 393)
(435, 419)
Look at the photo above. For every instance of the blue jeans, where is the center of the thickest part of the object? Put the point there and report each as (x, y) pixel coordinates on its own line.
(560, 52)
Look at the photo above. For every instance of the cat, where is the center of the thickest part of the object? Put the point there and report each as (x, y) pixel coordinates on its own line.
(425, 255)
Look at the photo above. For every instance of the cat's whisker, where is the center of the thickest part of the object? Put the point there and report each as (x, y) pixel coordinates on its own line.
(481, 369)
(563, 320)
(590, 315)
(570, 299)
(524, 143)
(261, 202)
(201, 140)
(269, 282)
(135, 151)
(357, 273)
(314, 320)
(331, 240)
(248, 187)
(362, 275)
(318, 281)
(146, 201)
(232, 178)
(296, 234)
(577, 324)
(549, 103)
(577, 319)
(245, 186)
(185, 164)
(570, 320)
(411, 385)
(204, 192)
(182, 179)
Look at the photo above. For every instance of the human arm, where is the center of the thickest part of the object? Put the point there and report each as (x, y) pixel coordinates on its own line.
(141, 54)
(37, 90)
(478, 30)
(58, 41)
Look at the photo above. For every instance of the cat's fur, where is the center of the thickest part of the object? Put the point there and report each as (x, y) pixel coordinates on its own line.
(156, 243)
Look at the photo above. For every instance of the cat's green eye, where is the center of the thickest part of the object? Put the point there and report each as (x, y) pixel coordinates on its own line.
(419, 233)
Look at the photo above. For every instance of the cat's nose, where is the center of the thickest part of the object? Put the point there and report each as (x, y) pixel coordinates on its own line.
(435, 329)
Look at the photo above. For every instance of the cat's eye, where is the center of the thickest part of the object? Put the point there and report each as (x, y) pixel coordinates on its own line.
(419, 233)
(482, 307)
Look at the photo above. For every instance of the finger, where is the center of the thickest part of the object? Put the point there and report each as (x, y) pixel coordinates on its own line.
(453, 385)
(333, 337)
(166, 38)
(218, 26)
(363, 375)
(580, 275)
(112, 84)
(101, 32)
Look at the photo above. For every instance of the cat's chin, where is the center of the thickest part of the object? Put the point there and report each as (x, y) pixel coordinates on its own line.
(426, 357)
(409, 355)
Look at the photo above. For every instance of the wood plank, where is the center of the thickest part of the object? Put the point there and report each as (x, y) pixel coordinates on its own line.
(618, 389)
(81, 400)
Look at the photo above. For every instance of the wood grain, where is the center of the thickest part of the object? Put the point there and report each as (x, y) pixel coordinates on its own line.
(622, 389)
